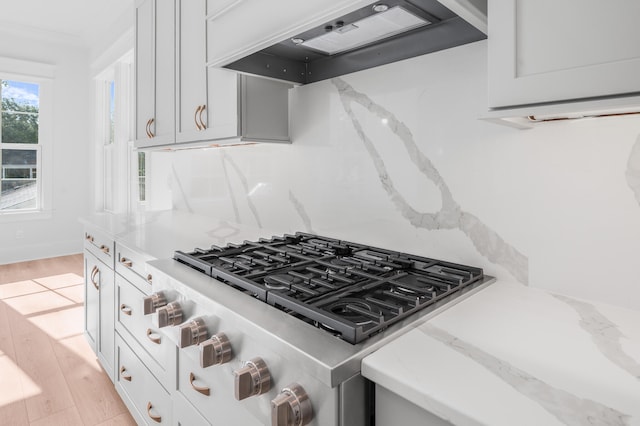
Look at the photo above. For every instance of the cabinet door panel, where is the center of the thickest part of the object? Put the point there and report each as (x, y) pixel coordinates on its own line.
(107, 319)
(191, 68)
(145, 78)
(164, 124)
(91, 300)
(543, 51)
(221, 114)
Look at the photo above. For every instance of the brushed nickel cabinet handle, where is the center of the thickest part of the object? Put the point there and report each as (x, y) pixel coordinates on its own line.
(149, 278)
(151, 135)
(94, 273)
(88, 237)
(195, 117)
(155, 340)
(156, 419)
(125, 309)
(202, 389)
(126, 262)
(202, 108)
(124, 377)
(104, 248)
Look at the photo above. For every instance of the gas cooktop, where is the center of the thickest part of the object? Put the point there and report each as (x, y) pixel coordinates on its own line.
(350, 290)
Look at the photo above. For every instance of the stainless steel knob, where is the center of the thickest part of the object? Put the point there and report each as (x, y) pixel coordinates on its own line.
(215, 351)
(193, 333)
(169, 315)
(291, 407)
(252, 379)
(153, 302)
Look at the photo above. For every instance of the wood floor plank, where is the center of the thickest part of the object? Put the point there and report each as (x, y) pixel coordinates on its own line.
(93, 393)
(121, 420)
(6, 341)
(41, 268)
(34, 356)
(55, 281)
(13, 410)
(66, 417)
(74, 293)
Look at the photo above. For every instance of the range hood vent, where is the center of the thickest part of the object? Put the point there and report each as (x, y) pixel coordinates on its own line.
(365, 31)
(374, 35)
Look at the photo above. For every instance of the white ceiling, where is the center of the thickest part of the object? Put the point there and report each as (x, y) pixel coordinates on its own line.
(80, 20)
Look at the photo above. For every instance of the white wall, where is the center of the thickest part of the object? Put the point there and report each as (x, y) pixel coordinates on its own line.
(61, 233)
(549, 207)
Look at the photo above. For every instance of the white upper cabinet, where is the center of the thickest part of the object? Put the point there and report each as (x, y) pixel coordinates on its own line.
(242, 27)
(155, 63)
(548, 51)
(207, 106)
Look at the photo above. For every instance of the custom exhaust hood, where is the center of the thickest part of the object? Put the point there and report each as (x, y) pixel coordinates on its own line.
(374, 35)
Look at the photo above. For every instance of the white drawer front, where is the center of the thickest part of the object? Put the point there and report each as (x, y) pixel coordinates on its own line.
(220, 404)
(160, 352)
(150, 402)
(100, 245)
(132, 266)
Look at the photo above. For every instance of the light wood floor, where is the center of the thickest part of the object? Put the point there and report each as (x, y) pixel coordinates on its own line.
(48, 373)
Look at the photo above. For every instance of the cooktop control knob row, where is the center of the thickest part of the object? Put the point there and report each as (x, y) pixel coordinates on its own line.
(169, 315)
(215, 351)
(193, 333)
(252, 379)
(153, 302)
(291, 407)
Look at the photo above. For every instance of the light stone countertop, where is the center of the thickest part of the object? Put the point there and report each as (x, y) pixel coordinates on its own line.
(513, 355)
(159, 234)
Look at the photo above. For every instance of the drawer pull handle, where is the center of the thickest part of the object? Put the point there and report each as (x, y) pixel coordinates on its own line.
(156, 419)
(155, 340)
(195, 117)
(125, 309)
(88, 237)
(105, 249)
(124, 377)
(202, 125)
(151, 135)
(94, 273)
(202, 389)
(126, 262)
(149, 278)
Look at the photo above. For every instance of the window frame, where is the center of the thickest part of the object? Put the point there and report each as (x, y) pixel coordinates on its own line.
(43, 75)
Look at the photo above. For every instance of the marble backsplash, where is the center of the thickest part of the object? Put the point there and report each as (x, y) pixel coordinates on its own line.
(396, 157)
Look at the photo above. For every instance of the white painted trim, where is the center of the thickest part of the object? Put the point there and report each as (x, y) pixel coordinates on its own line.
(26, 69)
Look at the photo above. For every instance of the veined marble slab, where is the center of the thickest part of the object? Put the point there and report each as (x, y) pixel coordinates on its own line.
(515, 355)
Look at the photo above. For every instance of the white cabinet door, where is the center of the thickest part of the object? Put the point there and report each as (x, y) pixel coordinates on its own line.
(91, 299)
(155, 73)
(236, 28)
(99, 311)
(545, 50)
(107, 319)
(145, 75)
(190, 68)
(207, 106)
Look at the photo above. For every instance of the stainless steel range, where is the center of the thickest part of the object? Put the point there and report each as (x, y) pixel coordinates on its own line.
(285, 322)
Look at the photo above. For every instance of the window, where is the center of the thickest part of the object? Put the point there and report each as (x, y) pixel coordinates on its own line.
(121, 171)
(19, 146)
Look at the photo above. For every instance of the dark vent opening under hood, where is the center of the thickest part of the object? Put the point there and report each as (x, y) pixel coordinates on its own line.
(439, 29)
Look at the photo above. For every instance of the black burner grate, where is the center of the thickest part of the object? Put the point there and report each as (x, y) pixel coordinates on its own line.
(349, 289)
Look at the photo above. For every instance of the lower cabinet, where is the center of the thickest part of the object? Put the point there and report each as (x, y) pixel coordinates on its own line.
(159, 352)
(211, 390)
(99, 309)
(393, 410)
(185, 415)
(147, 400)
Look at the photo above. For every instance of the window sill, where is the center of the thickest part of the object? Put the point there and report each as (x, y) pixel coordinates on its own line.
(27, 215)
